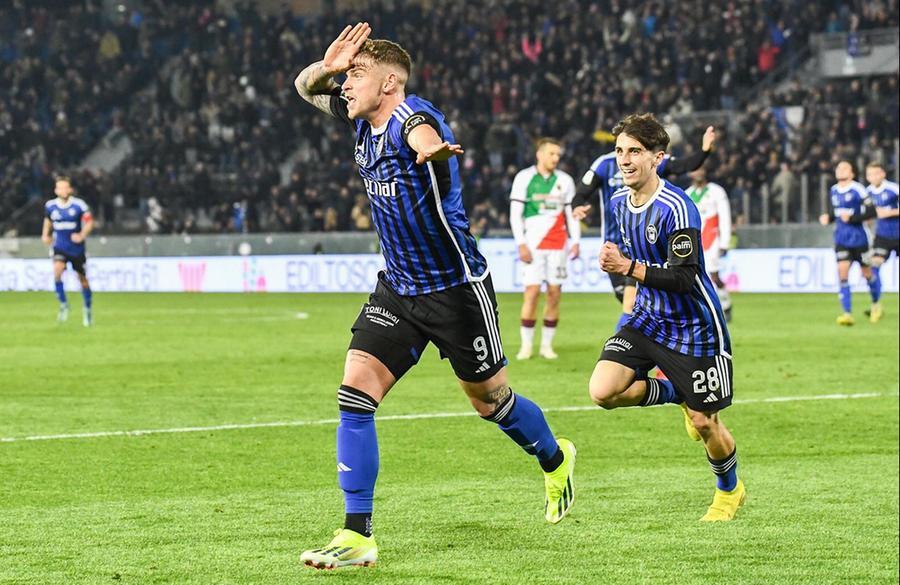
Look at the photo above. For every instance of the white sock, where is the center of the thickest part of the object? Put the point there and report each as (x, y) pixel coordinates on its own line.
(527, 334)
(547, 334)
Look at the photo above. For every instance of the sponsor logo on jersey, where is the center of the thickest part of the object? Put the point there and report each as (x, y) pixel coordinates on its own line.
(682, 245)
(380, 188)
(652, 234)
(64, 225)
(360, 154)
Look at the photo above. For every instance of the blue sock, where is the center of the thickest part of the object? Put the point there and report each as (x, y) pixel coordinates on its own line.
(845, 296)
(60, 292)
(86, 293)
(524, 423)
(659, 392)
(357, 457)
(875, 285)
(725, 470)
(623, 318)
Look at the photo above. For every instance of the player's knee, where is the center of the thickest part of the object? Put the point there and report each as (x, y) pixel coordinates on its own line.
(602, 393)
(490, 401)
(706, 425)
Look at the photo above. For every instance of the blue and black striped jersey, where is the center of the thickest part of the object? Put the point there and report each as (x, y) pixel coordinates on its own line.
(605, 176)
(417, 209)
(665, 232)
(851, 199)
(885, 196)
(67, 218)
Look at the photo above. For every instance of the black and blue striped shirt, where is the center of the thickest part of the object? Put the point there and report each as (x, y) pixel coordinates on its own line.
(417, 209)
(664, 232)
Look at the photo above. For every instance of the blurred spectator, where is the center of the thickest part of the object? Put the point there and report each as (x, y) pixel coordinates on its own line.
(206, 97)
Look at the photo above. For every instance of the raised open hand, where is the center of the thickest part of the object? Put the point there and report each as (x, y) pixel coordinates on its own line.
(709, 139)
(438, 152)
(339, 56)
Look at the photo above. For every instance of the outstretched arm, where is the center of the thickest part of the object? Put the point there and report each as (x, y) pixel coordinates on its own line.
(692, 162)
(429, 146)
(315, 84)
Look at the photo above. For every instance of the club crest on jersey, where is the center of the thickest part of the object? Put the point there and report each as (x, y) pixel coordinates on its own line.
(652, 233)
(682, 246)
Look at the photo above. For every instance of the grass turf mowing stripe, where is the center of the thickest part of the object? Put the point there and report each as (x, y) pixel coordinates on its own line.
(425, 415)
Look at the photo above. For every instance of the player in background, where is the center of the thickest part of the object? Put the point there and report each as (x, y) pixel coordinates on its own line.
(69, 219)
(677, 323)
(436, 287)
(715, 231)
(849, 207)
(887, 229)
(540, 214)
(605, 177)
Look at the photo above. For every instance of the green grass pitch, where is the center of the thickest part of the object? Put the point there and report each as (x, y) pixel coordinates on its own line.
(456, 502)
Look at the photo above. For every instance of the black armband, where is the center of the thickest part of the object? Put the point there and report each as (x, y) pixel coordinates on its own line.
(584, 191)
(868, 212)
(417, 119)
(678, 279)
(686, 164)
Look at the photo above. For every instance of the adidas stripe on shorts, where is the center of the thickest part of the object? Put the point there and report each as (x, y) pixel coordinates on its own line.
(461, 321)
(704, 383)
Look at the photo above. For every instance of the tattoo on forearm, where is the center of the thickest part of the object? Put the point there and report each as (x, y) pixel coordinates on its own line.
(314, 86)
(498, 394)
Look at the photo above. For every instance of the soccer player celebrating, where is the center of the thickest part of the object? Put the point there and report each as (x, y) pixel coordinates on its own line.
(677, 322)
(69, 218)
(540, 213)
(849, 207)
(605, 177)
(436, 287)
(715, 231)
(887, 229)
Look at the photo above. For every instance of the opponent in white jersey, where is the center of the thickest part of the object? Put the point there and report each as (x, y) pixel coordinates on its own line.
(715, 216)
(540, 214)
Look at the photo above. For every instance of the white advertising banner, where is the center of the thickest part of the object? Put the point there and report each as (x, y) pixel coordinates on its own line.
(769, 270)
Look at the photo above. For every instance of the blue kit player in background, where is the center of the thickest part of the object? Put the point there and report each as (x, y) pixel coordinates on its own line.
(677, 323)
(605, 178)
(849, 208)
(69, 219)
(436, 287)
(887, 229)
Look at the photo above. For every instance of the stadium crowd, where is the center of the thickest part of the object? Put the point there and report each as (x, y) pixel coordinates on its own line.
(221, 142)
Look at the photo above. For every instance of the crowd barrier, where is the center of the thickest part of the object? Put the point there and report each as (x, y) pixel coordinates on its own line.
(788, 270)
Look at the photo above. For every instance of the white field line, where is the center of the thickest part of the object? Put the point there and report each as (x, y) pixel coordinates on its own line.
(420, 416)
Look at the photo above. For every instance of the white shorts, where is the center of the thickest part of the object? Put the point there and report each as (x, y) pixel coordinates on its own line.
(711, 257)
(548, 266)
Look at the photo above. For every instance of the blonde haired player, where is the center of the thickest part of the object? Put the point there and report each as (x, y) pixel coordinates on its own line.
(715, 232)
(540, 214)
